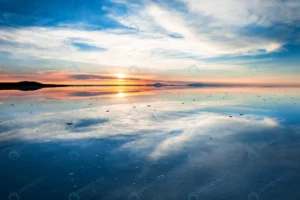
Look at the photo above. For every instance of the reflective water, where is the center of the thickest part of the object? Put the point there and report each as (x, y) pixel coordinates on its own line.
(145, 143)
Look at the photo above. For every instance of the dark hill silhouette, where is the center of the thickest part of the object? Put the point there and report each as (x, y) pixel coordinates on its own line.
(26, 86)
(158, 85)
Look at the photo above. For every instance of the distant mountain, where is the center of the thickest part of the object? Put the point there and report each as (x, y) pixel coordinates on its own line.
(159, 85)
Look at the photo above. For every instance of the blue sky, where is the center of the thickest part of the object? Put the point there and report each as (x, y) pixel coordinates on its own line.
(224, 39)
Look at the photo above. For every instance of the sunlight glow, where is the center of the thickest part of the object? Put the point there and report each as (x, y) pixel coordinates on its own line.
(120, 76)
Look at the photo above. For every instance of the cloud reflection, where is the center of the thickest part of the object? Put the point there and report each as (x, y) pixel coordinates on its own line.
(159, 138)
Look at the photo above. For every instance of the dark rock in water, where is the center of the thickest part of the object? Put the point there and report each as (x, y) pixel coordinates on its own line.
(70, 123)
(230, 116)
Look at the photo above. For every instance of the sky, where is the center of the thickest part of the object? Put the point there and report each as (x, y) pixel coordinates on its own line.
(127, 41)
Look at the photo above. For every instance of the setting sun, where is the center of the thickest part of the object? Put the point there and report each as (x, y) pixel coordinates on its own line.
(120, 76)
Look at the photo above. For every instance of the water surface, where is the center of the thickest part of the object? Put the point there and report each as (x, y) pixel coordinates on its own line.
(142, 143)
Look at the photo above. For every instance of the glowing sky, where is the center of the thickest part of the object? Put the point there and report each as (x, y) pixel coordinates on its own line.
(182, 40)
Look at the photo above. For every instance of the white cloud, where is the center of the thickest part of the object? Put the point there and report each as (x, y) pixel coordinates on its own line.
(151, 26)
(244, 12)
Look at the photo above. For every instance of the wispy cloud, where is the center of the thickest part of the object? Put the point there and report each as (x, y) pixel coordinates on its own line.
(163, 35)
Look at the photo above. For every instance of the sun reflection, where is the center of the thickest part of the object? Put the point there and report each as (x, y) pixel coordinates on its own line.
(121, 94)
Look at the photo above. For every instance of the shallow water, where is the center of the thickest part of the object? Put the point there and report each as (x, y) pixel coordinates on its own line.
(144, 143)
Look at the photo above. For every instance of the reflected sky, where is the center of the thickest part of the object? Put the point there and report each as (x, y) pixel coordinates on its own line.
(138, 143)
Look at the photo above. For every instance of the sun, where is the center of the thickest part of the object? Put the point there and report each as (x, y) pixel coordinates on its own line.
(120, 76)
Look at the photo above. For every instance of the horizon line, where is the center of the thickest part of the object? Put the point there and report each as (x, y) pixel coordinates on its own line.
(34, 84)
